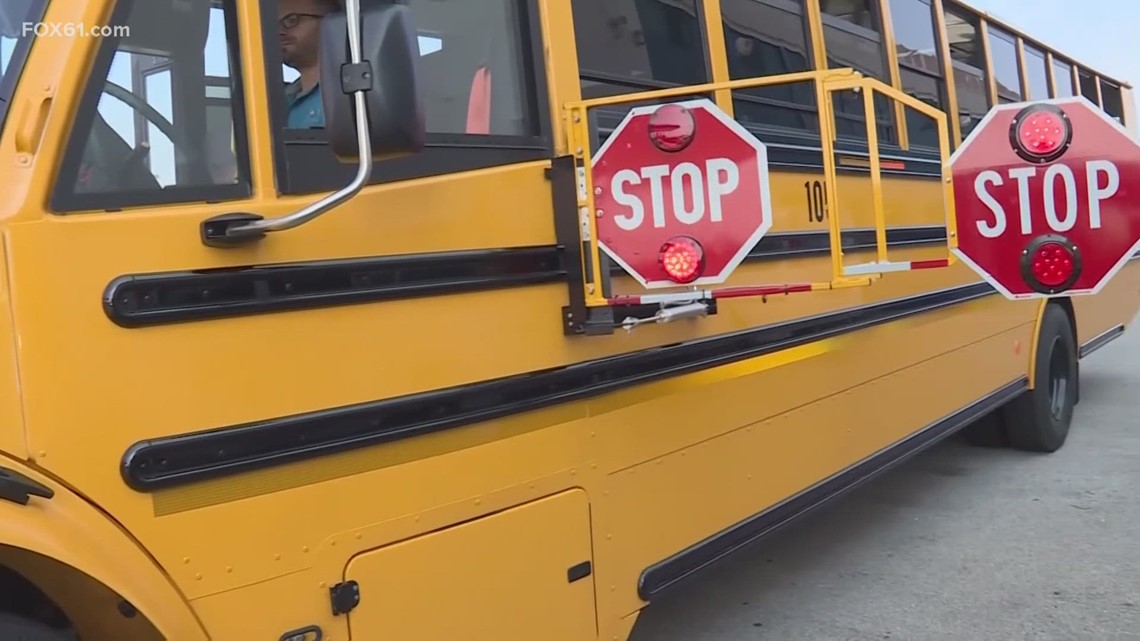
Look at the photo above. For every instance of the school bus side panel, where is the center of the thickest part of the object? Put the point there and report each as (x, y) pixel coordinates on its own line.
(1115, 305)
(12, 437)
(658, 508)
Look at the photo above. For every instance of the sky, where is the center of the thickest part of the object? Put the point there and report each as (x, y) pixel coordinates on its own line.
(1103, 34)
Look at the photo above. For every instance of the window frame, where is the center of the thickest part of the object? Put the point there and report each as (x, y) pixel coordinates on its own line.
(20, 52)
(64, 199)
(650, 84)
(939, 77)
(997, 32)
(890, 122)
(1103, 82)
(740, 95)
(1059, 60)
(1085, 73)
(1030, 50)
(304, 163)
(631, 84)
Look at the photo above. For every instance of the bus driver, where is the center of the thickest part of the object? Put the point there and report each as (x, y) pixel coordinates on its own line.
(299, 22)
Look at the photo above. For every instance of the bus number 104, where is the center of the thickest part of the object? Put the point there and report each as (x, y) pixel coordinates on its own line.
(816, 195)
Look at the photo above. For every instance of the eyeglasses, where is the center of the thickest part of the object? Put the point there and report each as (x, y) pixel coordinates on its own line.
(290, 20)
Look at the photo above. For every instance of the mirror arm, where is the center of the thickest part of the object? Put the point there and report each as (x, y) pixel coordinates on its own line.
(230, 230)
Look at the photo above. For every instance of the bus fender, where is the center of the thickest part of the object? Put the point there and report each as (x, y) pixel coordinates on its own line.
(67, 529)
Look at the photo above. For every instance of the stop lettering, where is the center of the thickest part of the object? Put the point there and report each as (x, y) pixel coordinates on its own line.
(694, 192)
(1057, 191)
(1046, 198)
(681, 194)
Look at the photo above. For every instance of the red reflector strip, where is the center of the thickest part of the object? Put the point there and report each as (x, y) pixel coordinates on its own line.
(896, 165)
(930, 264)
(764, 290)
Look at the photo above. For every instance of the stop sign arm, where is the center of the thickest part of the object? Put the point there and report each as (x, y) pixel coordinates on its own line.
(628, 203)
(867, 87)
(881, 267)
(730, 292)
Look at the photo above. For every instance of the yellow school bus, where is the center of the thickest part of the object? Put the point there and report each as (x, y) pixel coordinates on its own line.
(365, 381)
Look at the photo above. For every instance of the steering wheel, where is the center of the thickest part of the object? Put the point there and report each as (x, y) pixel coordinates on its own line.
(133, 161)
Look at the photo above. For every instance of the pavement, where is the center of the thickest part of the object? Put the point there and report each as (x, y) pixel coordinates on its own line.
(960, 543)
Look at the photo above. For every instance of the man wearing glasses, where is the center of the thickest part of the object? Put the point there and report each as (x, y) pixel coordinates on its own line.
(299, 25)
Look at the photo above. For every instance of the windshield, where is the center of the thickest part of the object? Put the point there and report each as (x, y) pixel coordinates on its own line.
(17, 24)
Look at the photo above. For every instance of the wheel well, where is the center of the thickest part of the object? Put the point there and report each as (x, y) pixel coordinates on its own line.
(1067, 305)
(21, 597)
(43, 589)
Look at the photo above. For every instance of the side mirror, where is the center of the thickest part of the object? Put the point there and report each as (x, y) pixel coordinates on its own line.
(389, 51)
(373, 109)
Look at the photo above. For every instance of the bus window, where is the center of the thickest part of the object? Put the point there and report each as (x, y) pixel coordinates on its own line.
(13, 17)
(1036, 72)
(1113, 103)
(639, 43)
(1062, 79)
(157, 120)
(15, 39)
(473, 79)
(920, 68)
(968, 62)
(766, 38)
(1088, 86)
(626, 46)
(851, 31)
(1003, 55)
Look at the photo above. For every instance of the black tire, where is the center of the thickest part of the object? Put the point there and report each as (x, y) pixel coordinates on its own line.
(14, 628)
(1038, 420)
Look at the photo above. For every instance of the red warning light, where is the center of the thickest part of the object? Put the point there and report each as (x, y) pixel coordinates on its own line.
(671, 128)
(682, 259)
(1040, 133)
(1051, 264)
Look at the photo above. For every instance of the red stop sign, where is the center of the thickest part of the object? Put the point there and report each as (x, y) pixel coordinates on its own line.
(687, 172)
(1047, 198)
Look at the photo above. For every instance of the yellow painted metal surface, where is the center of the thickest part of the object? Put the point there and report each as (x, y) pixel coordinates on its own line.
(68, 530)
(493, 591)
(636, 474)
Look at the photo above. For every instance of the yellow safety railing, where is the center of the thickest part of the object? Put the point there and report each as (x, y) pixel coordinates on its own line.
(826, 83)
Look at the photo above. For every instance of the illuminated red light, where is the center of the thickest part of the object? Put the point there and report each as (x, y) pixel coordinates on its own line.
(671, 128)
(682, 259)
(1052, 264)
(1040, 133)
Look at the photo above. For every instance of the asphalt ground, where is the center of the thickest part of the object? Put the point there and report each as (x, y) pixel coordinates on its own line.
(960, 543)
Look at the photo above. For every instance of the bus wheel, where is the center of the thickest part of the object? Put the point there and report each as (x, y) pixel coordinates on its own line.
(1038, 421)
(14, 628)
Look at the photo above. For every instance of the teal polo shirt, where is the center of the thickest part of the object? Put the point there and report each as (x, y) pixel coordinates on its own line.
(305, 109)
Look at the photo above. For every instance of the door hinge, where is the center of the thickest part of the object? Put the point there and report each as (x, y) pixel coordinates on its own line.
(344, 596)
